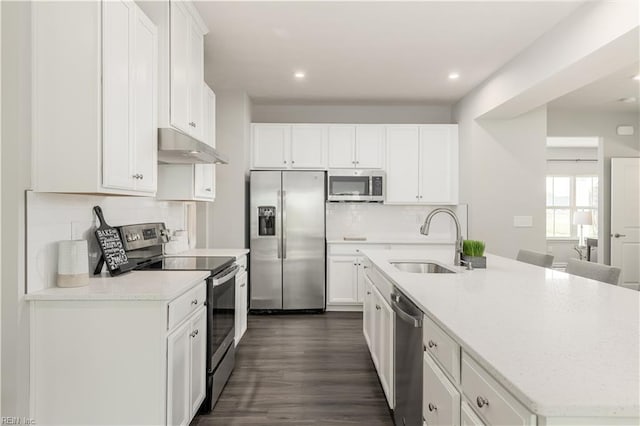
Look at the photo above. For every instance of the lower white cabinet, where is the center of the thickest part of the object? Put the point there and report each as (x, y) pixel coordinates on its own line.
(186, 182)
(468, 417)
(118, 362)
(241, 305)
(342, 287)
(440, 398)
(378, 320)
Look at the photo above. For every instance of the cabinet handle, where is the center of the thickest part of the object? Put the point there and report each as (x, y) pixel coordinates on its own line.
(368, 293)
(293, 161)
(194, 302)
(357, 162)
(377, 307)
(417, 197)
(285, 161)
(141, 176)
(432, 344)
(137, 176)
(616, 235)
(482, 401)
(365, 267)
(195, 333)
(421, 197)
(208, 189)
(242, 285)
(432, 407)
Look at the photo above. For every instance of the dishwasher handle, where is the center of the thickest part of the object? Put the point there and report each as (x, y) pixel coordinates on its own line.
(416, 322)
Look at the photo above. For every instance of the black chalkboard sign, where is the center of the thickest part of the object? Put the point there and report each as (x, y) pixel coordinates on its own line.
(113, 253)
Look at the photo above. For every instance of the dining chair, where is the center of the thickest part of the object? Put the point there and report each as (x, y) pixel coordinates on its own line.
(535, 258)
(595, 271)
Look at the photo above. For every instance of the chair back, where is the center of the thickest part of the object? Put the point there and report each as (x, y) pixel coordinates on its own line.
(595, 271)
(535, 258)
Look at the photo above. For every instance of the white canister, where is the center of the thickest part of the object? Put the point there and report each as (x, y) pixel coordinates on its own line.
(73, 263)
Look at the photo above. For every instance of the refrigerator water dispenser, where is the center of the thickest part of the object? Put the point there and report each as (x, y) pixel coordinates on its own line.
(266, 221)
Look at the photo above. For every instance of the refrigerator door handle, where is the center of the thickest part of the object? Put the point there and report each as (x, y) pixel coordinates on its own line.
(278, 243)
(284, 224)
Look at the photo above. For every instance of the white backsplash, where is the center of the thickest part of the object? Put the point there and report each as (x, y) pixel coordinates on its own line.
(383, 221)
(55, 217)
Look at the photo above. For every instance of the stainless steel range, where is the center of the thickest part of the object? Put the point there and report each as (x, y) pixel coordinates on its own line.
(143, 245)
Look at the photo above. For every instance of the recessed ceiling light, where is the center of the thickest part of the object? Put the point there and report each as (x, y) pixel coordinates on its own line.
(628, 100)
(454, 76)
(637, 77)
(299, 75)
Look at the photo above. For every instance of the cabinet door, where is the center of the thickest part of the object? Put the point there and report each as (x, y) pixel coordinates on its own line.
(179, 375)
(360, 280)
(385, 326)
(241, 306)
(369, 147)
(308, 147)
(210, 116)
(402, 164)
(440, 399)
(468, 417)
(270, 143)
(343, 283)
(117, 93)
(195, 78)
(203, 181)
(198, 359)
(439, 164)
(368, 313)
(180, 66)
(145, 114)
(342, 146)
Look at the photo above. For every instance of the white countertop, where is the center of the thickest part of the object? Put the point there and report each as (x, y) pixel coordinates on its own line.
(135, 285)
(391, 239)
(237, 252)
(562, 344)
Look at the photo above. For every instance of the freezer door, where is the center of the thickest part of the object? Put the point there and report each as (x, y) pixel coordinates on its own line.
(266, 257)
(303, 240)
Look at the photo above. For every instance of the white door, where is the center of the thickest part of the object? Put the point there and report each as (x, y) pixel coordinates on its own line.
(342, 145)
(368, 313)
(180, 65)
(198, 359)
(270, 143)
(342, 286)
(145, 124)
(402, 164)
(117, 93)
(438, 164)
(196, 77)
(360, 279)
(440, 399)
(179, 375)
(625, 219)
(308, 146)
(385, 347)
(369, 147)
(203, 181)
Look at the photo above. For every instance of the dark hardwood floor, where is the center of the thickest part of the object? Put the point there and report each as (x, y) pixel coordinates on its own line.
(302, 370)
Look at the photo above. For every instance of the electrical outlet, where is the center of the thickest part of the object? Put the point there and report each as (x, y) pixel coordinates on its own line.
(523, 221)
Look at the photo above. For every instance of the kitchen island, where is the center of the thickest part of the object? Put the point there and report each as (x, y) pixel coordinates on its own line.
(564, 347)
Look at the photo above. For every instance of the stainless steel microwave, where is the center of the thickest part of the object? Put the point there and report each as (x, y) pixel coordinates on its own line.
(356, 185)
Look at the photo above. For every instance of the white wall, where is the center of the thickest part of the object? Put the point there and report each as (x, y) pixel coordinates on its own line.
(362, 114)
(222, 224)
(562, 122)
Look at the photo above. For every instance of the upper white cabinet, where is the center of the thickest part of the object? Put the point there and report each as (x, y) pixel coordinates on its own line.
(359, 146)
(94, 98)
(289, 146)
(422, 164)
(181, 32)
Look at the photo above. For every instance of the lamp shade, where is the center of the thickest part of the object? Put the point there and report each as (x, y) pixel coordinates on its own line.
(583, 218)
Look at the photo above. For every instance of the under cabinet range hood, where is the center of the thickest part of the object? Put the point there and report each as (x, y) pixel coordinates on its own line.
(175, 147)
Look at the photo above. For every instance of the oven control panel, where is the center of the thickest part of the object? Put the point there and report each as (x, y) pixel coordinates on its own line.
(143, 235)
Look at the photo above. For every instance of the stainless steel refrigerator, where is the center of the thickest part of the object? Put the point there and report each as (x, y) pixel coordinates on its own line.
(287, 240)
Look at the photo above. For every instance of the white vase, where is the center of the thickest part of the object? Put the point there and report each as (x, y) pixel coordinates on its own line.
(73, 263)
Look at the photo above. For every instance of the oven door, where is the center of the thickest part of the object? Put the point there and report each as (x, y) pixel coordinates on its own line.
(221, 305)
(349, 187)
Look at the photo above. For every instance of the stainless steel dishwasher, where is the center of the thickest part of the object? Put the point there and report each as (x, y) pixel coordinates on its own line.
(408, 360)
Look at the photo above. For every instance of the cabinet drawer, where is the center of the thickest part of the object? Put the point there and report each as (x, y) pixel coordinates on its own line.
(468, 417)
(184, 305)
(440, 399)
(491, 399)
(354, 249)
(442, 347)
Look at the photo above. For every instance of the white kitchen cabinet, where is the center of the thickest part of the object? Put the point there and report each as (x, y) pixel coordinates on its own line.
(422, 164)
(288, 146)
(356, 146)
(186, 369)
(209, 116)
(122, 361)
(468, 417)
(440, 398)
(368, 315)
(343, 280)
(241, 301)
(94, 98)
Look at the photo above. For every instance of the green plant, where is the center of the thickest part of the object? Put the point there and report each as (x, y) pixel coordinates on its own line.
(473, 248)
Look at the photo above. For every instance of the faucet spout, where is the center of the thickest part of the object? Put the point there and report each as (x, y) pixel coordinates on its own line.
(424, 230)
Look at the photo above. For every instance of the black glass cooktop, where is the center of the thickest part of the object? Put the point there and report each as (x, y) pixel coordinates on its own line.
(214, 264)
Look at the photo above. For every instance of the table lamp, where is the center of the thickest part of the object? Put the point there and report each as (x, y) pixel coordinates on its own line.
(582, 218)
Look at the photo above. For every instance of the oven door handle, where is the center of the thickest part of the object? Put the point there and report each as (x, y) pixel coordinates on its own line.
(218, 281)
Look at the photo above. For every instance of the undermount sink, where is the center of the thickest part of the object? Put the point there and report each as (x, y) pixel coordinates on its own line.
(422, 268)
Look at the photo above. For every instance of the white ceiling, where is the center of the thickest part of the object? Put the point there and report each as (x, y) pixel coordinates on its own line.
(605, 94)
(355, 51)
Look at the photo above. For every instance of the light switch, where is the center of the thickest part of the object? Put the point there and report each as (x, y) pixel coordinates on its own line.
(523, 221)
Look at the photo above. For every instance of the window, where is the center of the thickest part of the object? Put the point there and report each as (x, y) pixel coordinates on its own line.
(565, 196)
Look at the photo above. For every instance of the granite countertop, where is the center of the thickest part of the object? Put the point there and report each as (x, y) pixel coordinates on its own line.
(135, 285)
(562, 344)
(232, 252)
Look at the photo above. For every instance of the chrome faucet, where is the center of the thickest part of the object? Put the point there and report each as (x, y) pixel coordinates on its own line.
(424, 230)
